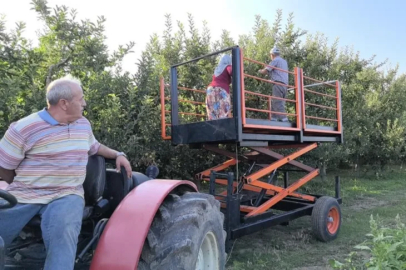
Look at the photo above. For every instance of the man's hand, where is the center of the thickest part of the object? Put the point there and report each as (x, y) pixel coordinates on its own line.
(262, 71)
(122, 161)
(106, 152)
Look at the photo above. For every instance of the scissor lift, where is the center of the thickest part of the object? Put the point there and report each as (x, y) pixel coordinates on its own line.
(252, 200)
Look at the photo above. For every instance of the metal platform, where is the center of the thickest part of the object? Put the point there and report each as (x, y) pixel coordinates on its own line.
(227, 131)
(250, 123)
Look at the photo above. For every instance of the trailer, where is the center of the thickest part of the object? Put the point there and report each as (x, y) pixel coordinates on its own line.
(253, 199)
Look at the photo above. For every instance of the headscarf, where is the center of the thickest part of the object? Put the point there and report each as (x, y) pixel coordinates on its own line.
(225, 61)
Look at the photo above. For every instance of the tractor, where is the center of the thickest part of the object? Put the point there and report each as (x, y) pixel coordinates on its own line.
(148, 223)
(137, 223)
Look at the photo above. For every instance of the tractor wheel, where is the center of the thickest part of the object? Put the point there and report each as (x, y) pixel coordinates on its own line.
(326, 219)
(186, 233)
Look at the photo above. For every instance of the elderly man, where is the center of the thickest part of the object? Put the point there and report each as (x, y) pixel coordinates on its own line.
(43, 157)
(274, 70)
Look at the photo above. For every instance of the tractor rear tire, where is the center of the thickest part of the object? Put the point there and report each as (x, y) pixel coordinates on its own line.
(186, 234)
(326, 219)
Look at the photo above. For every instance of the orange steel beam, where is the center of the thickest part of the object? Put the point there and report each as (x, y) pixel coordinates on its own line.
(268, 96)
(267, 111)
(243, 208)
(267, 170)
(187, 101)
(279, 156)
(245, 186)
(191, 89)
(321, 106)
(162, 90)
(338, 105)
(217, 168)
(280, 189)
(318, 93)
(192, 102)
(270, 189)
(303, 99)
(268, 81)
(281, 195)
(298, 120)
(270, 107)
(311, 79)
(321, 118)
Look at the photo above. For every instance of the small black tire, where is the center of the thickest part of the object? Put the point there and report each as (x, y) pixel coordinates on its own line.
(326, 219)
(184, 228)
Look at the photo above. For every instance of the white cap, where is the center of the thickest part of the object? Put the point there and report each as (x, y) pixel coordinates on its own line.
(275, 50)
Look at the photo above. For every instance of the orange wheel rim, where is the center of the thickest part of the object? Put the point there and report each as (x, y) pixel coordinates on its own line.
(333, 220)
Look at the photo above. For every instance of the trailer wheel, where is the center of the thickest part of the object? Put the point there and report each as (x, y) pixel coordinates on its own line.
(326, 219)
(187, 233)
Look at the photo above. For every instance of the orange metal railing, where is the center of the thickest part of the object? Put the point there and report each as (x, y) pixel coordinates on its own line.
(326, 114)
(309, 108)
(165, 113)
(268, 98)
(164, 125)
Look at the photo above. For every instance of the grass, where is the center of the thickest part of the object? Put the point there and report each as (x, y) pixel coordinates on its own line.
(294, 247)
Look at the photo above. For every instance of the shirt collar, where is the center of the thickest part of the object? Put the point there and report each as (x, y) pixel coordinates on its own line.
(44, 114)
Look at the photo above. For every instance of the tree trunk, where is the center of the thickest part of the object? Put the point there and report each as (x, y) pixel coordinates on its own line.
(323, 170)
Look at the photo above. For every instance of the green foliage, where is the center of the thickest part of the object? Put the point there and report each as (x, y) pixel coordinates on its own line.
(384, 249)
(125, 108)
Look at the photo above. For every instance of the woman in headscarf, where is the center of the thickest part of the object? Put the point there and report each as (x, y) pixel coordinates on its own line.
(218, 102)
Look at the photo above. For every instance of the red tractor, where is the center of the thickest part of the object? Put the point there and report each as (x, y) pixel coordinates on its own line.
(138, 223)
(147, 223)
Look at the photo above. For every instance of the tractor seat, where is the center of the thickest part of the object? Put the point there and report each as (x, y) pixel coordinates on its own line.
(93, 186)
(95, 181)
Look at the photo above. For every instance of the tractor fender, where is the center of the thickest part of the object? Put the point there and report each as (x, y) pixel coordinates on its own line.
(122, 240)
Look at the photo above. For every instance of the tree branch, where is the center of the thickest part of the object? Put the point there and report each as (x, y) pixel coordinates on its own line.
(51, 69)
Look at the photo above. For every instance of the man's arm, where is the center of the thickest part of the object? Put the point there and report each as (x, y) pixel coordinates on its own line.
(263, 71)
(269, 68)
(12, 152)
(109, 153)
(7, 175)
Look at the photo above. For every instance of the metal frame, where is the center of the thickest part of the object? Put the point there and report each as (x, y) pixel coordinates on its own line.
(270, 125)
(262, 137)
(240, 217)
(240, 129)
(273, 161)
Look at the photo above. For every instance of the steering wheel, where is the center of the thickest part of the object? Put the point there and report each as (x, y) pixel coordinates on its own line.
(12, 201)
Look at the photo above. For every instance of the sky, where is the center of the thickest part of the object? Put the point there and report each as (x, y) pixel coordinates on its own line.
(372, 28)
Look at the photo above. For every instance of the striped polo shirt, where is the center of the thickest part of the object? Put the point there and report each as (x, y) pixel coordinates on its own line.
(49, 158)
